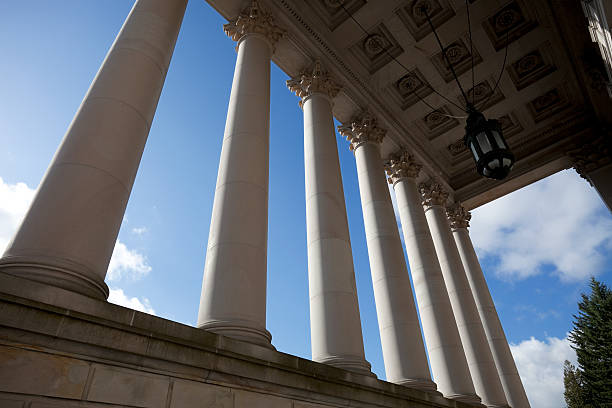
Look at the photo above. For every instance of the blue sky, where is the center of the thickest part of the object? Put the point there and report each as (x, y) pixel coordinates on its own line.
(538, 246)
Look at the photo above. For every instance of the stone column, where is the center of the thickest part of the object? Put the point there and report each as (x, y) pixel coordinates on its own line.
(511, 382)
(448, 363)
(335, 323)
(593, 161)
(67, 237)
(233, 301)
(477, 351)
(400, 332)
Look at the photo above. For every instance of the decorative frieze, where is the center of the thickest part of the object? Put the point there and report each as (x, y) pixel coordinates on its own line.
(316, 81)
(254, 20)
(458, 216)
(363, 129)
(402, 165)
(432, 193)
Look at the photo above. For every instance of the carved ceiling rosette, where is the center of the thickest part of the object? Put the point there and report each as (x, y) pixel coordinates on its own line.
(363, 129)
(432, 193)
(315, 81)
(402, 165)
(458, 216)
(254, 20)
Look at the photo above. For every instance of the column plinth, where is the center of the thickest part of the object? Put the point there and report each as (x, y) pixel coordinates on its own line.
(68, 235)
(233, 300)
(480, 360)
(446, 355)
(504, 362)
(400, 332)
(336, 336)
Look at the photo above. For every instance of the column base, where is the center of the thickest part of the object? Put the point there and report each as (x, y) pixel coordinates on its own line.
(349, 363)
(471, 399)
(421, 384)
(242, 330)
(56, 272)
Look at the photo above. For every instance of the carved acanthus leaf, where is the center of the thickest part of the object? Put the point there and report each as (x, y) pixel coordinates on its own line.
(316, 81)
(458, 216)
(362, 129)
(432, 194)
(254, 20)
(402, 165)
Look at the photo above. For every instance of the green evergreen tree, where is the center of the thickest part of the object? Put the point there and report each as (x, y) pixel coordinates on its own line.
(572, 380)
(591, 337)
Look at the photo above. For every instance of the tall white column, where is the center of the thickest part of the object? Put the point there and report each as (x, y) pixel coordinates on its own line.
(233, 301)
(446, 355)
(400, 332)
(477, 351)
(335, 323)
(67, 237)
(511, 382)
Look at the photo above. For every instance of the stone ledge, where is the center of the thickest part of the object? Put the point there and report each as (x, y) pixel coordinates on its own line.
(34, 319)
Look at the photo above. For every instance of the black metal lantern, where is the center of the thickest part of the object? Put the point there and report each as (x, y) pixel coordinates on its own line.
(485, 140)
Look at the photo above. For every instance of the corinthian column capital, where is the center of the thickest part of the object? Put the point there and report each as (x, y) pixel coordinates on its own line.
(362, 129)
(402, 165)
(592, 155)
(254, 20)
(432, 194)
(458, 216)
(315, 81)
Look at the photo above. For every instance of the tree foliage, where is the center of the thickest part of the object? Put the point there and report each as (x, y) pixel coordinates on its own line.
(590, 384)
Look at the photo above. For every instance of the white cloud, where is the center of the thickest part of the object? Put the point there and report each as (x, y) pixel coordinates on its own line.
(140, 230)
(559, 222)
(540, 365)
(14, 202)
(117, 297)
(127, 263)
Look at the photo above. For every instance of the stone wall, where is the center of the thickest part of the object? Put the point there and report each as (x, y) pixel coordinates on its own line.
(59, 349)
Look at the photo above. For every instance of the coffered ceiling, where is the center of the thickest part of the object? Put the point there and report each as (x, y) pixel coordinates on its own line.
(548, 99)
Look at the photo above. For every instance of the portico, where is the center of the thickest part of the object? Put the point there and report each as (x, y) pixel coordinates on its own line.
(63, 248)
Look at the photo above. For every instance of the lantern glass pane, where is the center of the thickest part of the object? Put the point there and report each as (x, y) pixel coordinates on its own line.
(483, 141)
(493, 164)
(499, 140)
(474, 151)
(507, 162)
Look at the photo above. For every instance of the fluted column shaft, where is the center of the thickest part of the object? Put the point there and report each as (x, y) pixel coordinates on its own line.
(335, 323)
(511, 382)
(400, 332)
(67, 237)
(446, 355)
(233, 300)
(477, 351)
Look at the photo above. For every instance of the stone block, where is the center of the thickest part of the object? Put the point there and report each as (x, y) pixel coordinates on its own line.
(191, 394)
(114, 385)
(246, 399)
(10, 403)
(29, 372)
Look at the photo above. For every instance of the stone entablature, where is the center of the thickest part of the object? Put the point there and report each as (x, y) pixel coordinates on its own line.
(254, 20)
(316, 81)
(592, 156)
(458, 216)
(402, 165)
(432, 193)
(362, 129)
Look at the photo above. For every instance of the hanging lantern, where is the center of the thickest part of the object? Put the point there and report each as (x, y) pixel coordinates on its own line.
(485, 140)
